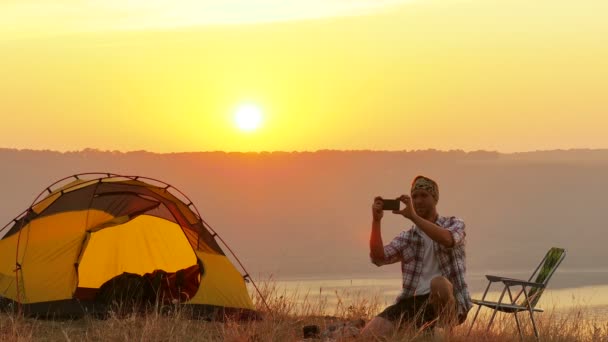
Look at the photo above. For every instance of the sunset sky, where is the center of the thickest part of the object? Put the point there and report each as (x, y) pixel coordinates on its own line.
(170, 76)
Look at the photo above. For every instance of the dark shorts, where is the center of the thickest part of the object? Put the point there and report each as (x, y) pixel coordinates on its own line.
(415, 309)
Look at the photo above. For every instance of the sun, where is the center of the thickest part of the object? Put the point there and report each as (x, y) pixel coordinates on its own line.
(248, 117)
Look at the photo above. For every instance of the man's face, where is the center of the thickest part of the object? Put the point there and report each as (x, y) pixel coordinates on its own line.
(424, 203)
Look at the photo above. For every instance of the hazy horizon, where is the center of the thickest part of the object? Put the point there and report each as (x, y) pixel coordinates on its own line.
(516, 205)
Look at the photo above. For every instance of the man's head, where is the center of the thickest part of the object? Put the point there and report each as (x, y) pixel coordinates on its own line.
(425, 195)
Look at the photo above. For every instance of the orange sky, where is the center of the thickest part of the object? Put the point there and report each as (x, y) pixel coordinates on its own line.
(396, 75)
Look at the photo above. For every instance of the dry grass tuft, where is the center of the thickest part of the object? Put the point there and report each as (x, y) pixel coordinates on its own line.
(287, 314)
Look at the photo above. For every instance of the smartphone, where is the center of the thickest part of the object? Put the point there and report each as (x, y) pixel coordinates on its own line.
(390, 204)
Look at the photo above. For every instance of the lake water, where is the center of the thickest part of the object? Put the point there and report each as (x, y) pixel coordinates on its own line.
(567, 290)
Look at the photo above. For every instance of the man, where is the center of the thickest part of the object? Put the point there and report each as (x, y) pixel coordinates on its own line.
(432, 260)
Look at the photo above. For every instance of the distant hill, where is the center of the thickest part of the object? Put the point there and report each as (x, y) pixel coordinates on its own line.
(308, 213)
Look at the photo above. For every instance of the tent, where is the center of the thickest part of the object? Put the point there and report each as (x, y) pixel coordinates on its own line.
(91, 229)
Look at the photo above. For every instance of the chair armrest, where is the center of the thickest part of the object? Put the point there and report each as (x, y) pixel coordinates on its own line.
(510, 282)
(494, 279)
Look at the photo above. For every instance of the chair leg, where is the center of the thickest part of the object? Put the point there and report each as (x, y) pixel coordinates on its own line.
(491, 320)
(496, 308)
(531, 314)
(479, 307)
(534, 325)
(521, 336)
(474, 319)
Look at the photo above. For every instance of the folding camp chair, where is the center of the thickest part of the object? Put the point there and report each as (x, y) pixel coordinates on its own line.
(531, 290)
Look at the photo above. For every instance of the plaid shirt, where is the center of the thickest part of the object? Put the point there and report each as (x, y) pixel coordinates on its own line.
(408, 247)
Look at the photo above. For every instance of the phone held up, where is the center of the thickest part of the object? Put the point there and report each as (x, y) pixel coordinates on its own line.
(390, 204)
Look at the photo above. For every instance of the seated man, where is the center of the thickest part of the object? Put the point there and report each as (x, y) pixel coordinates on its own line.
(432, 260)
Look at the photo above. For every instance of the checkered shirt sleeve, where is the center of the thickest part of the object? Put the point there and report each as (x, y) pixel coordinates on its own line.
(456, 228)
(393, 252)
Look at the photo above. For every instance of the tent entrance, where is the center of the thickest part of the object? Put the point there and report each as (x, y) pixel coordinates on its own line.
(152, 248)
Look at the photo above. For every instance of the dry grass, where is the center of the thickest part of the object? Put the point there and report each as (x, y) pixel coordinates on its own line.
(288, 313)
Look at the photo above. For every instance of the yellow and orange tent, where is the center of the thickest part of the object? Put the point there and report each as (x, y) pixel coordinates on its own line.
(87, 229)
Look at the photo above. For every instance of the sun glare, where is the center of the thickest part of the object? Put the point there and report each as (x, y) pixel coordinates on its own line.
(248, 118)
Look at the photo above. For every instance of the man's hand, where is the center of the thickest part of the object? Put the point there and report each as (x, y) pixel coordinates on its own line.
(377, 212)
(408, 211)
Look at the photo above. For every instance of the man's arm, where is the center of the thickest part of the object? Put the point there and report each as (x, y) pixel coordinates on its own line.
(376, 247)
(435, 232)
(380, 254)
